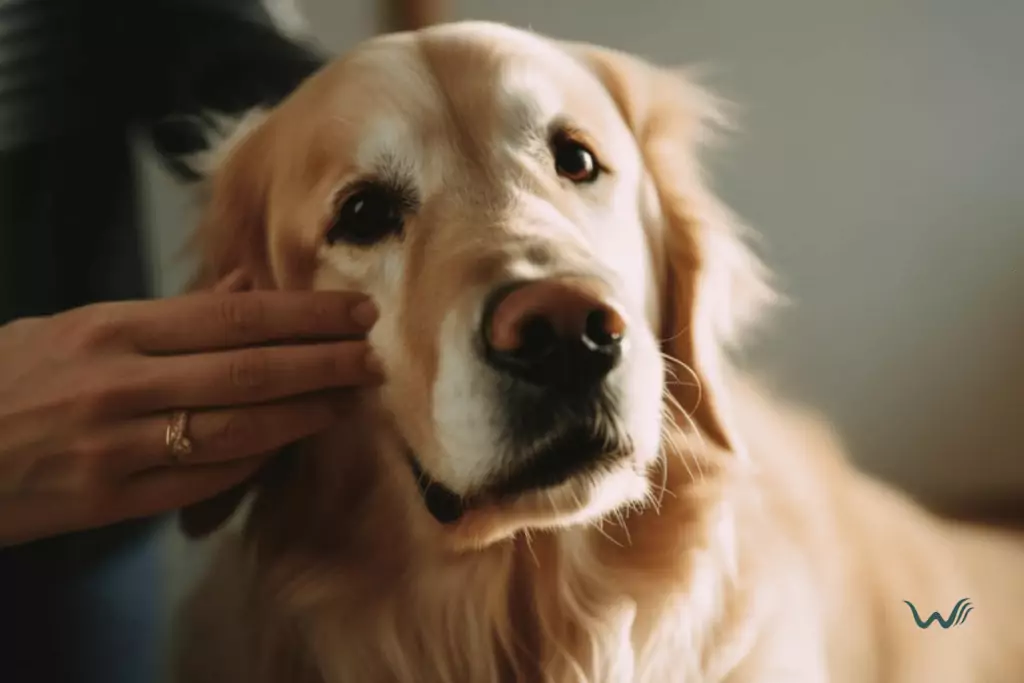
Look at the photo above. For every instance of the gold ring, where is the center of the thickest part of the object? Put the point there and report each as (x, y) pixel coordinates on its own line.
(178, 443)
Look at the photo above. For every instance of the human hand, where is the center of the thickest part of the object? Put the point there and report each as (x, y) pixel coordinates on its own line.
(86, 398)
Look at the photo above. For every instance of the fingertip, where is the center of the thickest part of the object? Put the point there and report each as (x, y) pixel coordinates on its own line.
(365, 313)
(373, 364)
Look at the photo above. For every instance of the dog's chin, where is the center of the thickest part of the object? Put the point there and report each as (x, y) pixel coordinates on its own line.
(577, 501)
(543, 499)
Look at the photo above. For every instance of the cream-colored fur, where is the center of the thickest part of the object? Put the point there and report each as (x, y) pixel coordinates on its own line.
(748, 551)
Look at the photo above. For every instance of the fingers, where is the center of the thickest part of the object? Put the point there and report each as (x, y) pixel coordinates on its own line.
(246, 376)
(225, 434)
(230, 319)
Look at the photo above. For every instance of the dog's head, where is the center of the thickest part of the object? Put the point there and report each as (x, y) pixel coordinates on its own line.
(555, 280)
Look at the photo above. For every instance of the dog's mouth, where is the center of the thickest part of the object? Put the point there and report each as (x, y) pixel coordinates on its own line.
(575, 453)
(442, 503)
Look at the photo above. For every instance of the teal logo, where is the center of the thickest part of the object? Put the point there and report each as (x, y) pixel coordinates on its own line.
(958, 616)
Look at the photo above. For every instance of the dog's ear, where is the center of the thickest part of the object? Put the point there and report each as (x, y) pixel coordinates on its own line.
(231, 236)
(230, 245)
(714, 286)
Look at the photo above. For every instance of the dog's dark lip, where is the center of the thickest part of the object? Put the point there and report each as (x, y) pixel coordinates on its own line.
(574, 454)
(575, 458)
(446, 506)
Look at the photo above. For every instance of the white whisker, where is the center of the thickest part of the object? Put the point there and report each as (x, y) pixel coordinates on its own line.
(599, 526)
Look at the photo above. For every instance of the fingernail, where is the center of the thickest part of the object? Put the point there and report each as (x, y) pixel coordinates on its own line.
(365, 313)
(373, 364)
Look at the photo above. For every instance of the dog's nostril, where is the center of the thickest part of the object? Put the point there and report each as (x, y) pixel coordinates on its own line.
(602, 328)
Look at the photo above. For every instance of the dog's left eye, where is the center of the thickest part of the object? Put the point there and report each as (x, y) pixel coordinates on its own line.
(367, 216)
(573, 160)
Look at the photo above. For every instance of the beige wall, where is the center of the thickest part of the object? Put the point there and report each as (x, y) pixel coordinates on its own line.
(882, 159)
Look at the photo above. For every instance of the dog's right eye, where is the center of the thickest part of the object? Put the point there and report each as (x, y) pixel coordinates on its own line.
(368, 215)
(574, 160)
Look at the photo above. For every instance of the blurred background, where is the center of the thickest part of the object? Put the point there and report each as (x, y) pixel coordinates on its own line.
(881, 158)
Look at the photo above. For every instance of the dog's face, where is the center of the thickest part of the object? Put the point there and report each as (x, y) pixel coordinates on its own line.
(494, 193)
(488, 199)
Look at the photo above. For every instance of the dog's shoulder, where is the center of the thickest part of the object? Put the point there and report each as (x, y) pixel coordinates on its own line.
(866, 551)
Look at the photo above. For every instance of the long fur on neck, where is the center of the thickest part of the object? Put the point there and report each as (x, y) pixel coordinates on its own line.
(354, 583)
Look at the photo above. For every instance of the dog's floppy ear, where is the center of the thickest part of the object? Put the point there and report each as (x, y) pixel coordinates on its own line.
(713, 285)
(232, 232)
(231, 240)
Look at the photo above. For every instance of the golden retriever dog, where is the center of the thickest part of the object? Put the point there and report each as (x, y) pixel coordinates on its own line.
(564, 478)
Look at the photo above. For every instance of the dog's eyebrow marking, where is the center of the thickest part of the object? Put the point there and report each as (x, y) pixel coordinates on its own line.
(527, 98)
(391, 151)
(379, 150)
(389, 127)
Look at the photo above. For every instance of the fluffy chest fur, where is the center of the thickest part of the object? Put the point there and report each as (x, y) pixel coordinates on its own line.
(789, 568)
(650, 597)
(555, 612)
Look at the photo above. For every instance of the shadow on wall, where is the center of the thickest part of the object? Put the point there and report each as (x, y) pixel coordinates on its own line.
(933, 400)
(973, 381)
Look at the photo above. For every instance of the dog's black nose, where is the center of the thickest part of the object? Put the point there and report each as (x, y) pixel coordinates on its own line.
(557, 333)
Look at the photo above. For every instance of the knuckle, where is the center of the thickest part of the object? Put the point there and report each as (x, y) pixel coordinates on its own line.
(87, 470)
(103, 392)
(91, 405)
(233, 433)
(249, 370)
(24, 327)
(241, 314)
(91, 327)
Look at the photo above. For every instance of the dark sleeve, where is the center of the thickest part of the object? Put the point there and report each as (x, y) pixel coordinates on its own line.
(77, 79)
(68, 204)
(222, 57)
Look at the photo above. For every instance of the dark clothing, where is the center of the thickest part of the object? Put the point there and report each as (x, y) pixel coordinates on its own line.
(78, 79)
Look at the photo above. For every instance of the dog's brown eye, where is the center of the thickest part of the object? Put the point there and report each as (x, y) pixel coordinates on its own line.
(367, 216)
(574, 161)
